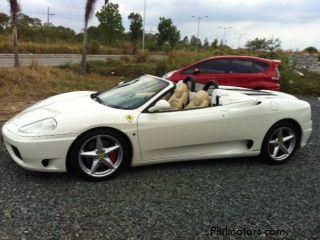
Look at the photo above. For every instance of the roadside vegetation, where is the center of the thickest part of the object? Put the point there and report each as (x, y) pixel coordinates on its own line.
(21, 87)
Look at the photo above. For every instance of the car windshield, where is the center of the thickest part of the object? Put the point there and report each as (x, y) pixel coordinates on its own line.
(133, 94)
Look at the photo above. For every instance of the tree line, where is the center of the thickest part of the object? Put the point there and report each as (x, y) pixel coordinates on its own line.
(110, 30)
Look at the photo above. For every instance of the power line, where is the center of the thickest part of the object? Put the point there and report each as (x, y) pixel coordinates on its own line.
(69, 18)
(53, 14)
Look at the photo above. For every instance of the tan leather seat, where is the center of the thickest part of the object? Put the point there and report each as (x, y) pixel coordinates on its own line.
(180, 97)
(200, 100)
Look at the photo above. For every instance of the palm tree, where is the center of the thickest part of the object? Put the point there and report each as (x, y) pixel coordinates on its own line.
(88, 14)
(14, 10)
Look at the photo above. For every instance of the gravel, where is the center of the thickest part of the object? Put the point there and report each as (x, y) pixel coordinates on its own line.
(169, 201)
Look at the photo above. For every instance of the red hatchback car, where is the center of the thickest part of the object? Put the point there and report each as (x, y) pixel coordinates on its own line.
(238, 71)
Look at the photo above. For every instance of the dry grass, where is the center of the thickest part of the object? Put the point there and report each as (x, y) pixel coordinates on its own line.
(24, 86)
(293, 83)
(58, 48)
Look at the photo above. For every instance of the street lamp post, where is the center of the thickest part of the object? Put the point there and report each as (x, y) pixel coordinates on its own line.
(144, 25)
(240, 36)
(224, 40)
(198, 31)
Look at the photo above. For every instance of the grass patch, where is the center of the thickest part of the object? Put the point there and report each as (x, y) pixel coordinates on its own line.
(293, 83)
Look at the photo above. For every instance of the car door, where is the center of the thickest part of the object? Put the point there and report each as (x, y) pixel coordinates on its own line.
(178, 134)
(241, 72)
(248, 73)
(216, 69)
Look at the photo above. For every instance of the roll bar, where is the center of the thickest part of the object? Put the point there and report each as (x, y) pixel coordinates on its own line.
(209, 84)
(193, 83)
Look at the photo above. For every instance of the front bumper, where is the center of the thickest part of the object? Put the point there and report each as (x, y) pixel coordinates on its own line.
(43, 154)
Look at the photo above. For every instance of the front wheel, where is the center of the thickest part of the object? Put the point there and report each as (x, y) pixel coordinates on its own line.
(280, 143)
(99, 154)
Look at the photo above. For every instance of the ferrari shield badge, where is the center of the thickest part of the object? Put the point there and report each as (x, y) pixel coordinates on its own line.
(129, 118)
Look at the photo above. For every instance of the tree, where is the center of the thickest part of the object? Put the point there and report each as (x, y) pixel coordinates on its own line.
(14, 10)
(262, 44)
(28, 27)
(214, 44)
(4, 21)
(168, 33)
(136, 24)
(185, 41)
(87, 15)
(194, 40)
(25, 20)
(93, 33)
(311, 50)
(110, 19)
(206, 43)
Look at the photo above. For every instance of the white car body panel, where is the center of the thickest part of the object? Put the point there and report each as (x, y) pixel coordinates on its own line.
(168, 135)
(207, 133)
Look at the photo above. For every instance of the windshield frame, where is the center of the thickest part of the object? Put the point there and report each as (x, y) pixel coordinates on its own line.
(169, 85)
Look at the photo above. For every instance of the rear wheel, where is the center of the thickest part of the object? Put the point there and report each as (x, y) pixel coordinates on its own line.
(280, 143)
(99, 154)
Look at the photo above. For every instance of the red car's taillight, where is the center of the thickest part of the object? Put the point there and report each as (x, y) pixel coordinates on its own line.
(276, 77)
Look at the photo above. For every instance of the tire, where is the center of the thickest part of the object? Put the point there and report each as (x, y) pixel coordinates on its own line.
(280, 143)
(99, 154)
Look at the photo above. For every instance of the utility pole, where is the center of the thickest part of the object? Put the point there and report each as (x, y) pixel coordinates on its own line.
(48, 16)
(198, 30)
(144, 25)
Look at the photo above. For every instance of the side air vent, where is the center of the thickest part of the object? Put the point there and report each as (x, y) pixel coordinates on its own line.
(250, 144)
(45, 162)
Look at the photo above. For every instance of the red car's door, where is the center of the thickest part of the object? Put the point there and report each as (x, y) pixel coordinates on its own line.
(248, 73)
(217, 70)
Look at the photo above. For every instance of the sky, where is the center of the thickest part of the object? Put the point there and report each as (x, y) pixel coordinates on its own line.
(295, 22)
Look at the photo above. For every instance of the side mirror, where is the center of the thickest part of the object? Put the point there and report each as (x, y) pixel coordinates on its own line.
(161, 105)
(196, 71)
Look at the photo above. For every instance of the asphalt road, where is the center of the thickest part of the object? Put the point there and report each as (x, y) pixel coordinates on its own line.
(7, 60)
(170, 201)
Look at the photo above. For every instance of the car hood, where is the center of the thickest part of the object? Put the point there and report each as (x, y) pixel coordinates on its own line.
(57, 105)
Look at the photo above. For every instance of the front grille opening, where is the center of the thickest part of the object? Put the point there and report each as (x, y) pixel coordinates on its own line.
(16, 152)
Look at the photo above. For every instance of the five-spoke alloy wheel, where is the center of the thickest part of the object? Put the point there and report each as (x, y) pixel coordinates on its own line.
(280, 143)
(99, 154)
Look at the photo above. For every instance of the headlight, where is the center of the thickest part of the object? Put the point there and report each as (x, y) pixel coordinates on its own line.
(40, 126)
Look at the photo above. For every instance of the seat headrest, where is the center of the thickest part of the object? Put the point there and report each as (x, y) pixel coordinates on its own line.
(181, 88)
(200, 97)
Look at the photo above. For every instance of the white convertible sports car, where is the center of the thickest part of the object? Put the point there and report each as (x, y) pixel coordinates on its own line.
(151, 120)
